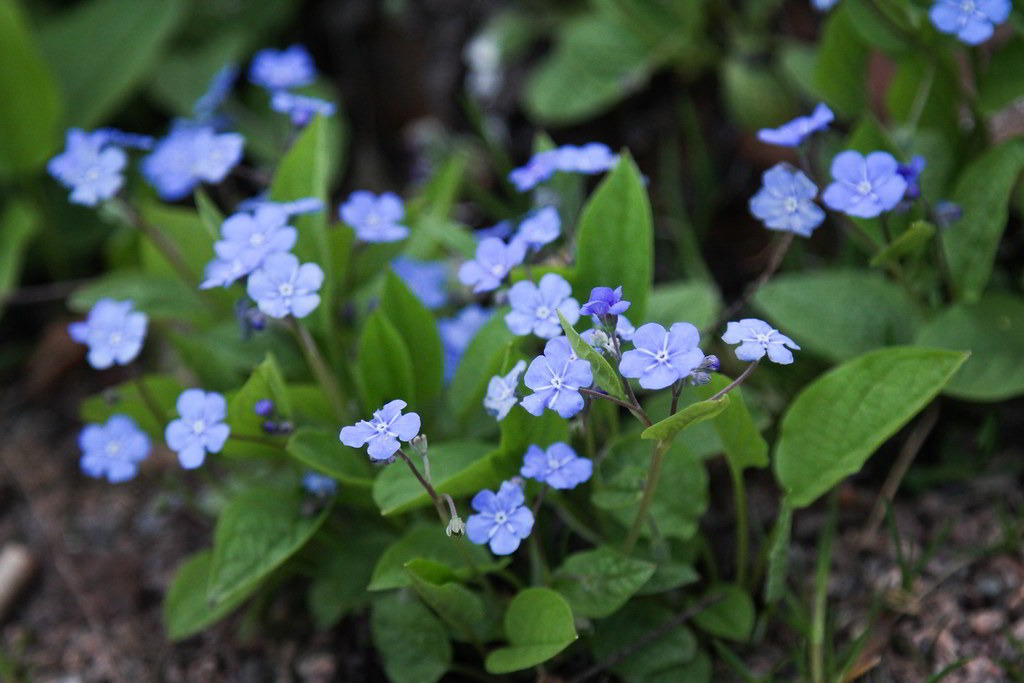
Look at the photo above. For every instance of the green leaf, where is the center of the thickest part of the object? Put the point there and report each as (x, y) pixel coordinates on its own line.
(413, 644)
(631, 625)
(599, 582)
(481, 361)
(321, 450)
(538, 625)
(266, 382)
(778, 556)
(385, 364)
(983, 191)
(429, 542)
(615, 241)
(838, 314)
(30, 106)
(993, 331)
(102, 49)
(457, 468)
(257, 531)
(910, 241)
(186, 609)
(882, 23)
(1003, 81)
(604, 374)
(836, 423)
(732, 617)
(754, 95)
(840, 70)
(209, 214)
(418, 329)
(185, 229)
(458, 606)
(125, 399)
(160, 296)
(223, 359)
(19, 223)
(339, 580)
(694, 302)
(743, 444)
(667, 429)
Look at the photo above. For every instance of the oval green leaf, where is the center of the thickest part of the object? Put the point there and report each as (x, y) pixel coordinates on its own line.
(538, 625)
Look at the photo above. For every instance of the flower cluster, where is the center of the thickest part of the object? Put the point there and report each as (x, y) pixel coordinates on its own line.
(588, 159)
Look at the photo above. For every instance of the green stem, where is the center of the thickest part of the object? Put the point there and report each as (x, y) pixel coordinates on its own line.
(817, 654)
(736, 382)
(742, 532)
(653, 474)
(426, 485)
(320, 369)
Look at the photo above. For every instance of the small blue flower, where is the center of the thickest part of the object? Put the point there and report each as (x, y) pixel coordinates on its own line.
(246, 240)
(282, 69)
(375, 218)
(426, 279)
(556, 379)
(119, 138)
(282, 287)
(200, 429)
(301, 108)
(823, 5)
(113, 331)
(319, 485)
(605, 301)
(793, 133)
(383, 432)
(912, 174)
(559, 467)
(864, 186)
(502, 520)
(189, 155)
(89, 166)
(501, 229)
(973, 21)
(786, 201)
(540, 228)
(113, 451)
(591, 158)
(756, 338)
(659, 357)
(501, 392)
(535, 308)
(539, 168)
(218, 90)
(263, 407)
(457, 332)
(491, 264)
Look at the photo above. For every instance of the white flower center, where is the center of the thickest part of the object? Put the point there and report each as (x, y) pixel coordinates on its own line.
(500, 518)
(553, 464)
(556, 382)
(115, 338)
(790, 205)
(256, 239)
(763, 337)
(92, 174)
(967, 6)
(543, 312)
(381, 427)
(661, 356)
(113, 448)
(373, 219)
(864, 187)
(498, 270)
(199, 426)
(286, 289)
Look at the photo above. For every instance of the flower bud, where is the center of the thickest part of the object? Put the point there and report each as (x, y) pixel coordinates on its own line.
(263, 407)
(456, 526)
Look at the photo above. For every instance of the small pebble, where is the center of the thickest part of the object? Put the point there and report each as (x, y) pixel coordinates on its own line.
(988, 621)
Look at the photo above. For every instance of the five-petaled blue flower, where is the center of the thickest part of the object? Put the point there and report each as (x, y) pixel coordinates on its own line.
(301, 108)
(319, 485)
(491, 264)
(540, 227)
(864, 186)
(457, 332)
(535, 308)
(794, 132)
(659, 357)
(191, 154)
(426, 279)
(113, 450)
(605, 301)
(113, 331)
(973, 21)
(559, 467)
(280, 286)
(375, 218)
(556, 379)
(786, 201)
(911, 172)
(200, 429)
(756, 338)
(89, 166)
(282, 69)
(246, 240)
(383, 432)
(502, 520)
(501, 392)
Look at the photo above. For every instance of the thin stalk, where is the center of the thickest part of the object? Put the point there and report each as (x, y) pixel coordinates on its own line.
(736, 382)
(653, 474)
(426, 485)
(742, 532)
(540, 499)
(320, 369)
(886, 230)
(774, 261)
(166, 247)
(677, 389)
(817, 653)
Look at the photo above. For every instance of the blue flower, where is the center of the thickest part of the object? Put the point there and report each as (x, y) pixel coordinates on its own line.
(559, 467)
(191, 154)
(912, 174)
(319, 485)
(535, 308)
(200, 429)
(501, 392)
(793, 133)
(864, 186)
(383, 432)
(823, 5)
(113, 451)
(973, 21)
(218, 91)
(556, 379)
(113, 331)
(375, 218)
(660, 358)
(263, 407)
(295, 207)
(490, 267)
(502, 520)
(591, 158)
(301, 108)
(539, 168)
(501, 229)
(605, 301)
(540, 227)
(119, 138)
(282, 287)
(756, 338)
(426, 279)
(457, 332)
(89, 166)
(282, 69)
(786, 201)
(246, 240)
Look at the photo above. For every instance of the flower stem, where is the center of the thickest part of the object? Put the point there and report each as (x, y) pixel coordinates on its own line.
(742, 532)
(164, 245)
(774, 261)
(319, 367)
(653, 474)
(631, 407)
(736, 382)
(426, 485)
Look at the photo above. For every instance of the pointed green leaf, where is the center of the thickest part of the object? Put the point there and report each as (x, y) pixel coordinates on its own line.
(743, 444)
(604, 375)
(321, 450)
(481, 361)
(731, 617)
(418, 329)
(413, 644)
(538, 625)
(458, 606)
(186, 610)
(778, 556)
(385, 364)
(911, 241)
(427, 541)
(632, 624)
(266, 382)
(19, 223)
(667, 429)
(598, 582)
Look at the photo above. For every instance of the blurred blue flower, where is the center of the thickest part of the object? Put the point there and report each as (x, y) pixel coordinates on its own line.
(200, 429)
(491, 264)
(559, 467)
(556, 379)
(246, 240)
(191, 154)
(263, 407)
(319, 485)
(113, 331)
(793, 133)
(281, 287)
(591, 158)
(295, 207)
(113, 136)
(786, 201)
(501, 229)
(426, 279)
(502, 520)
(89, 166)
(947, 213)
(301, 108)
(756, 338)
(535, 308)
(113, 450)
(605, 301)
(973, 21)
(823, 5)
(540, 227)
(659, 357)
(457, 332)
(375, 218)
(218, 90)
(911, 172)
(501, 392)
(539, 168)
(282, 69)
(864, 186)
(383, 432)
